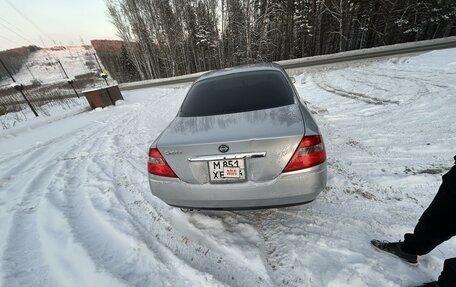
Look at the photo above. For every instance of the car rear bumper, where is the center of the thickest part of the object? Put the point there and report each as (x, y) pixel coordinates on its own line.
(287, 189)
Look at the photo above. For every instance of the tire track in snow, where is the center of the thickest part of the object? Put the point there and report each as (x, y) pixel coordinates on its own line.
(302, 241)
(109, 248)
(358, 185)
(24, 162)
(366, 82)
(409, 78)
(26, 267)
(160, 235)
(13, 156)
(348, 182)
(203, 256)
(22, 258)
(159, 230)
(322, 84)
(127, 257)
(421, 83)
(316, 231)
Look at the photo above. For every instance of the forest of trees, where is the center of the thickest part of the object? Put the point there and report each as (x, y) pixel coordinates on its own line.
(173, 37)
(113, 55)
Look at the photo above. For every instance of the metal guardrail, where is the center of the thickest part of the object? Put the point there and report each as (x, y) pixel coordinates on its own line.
(376, 52)
(160, 82)
(354, 55)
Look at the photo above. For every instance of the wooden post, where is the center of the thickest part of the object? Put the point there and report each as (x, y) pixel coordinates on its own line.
(101, 69)
(19, 88)
(68, 78)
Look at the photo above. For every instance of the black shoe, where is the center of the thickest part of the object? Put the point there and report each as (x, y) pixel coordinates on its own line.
(429, 284)
(394, 248)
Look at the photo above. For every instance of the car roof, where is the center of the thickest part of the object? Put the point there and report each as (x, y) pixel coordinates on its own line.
(241, 69)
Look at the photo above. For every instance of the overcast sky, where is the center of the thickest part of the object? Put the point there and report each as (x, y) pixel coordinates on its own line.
(59, 21)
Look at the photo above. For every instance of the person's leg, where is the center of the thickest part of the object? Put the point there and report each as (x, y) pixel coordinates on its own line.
(438, 222)
(448, 276)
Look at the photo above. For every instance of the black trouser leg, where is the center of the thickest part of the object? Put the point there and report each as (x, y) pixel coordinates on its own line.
(438, 222)
(448, 276)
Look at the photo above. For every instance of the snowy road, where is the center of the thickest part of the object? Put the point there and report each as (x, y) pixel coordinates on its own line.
(76, 210)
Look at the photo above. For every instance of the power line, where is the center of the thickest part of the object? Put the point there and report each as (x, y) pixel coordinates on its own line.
(29, 20)
(16, 33)
(34, 25)
(11, 25)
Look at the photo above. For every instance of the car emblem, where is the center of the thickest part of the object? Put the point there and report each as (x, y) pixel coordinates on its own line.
(224, 148)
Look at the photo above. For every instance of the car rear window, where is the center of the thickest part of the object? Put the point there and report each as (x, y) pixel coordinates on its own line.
(241, 92)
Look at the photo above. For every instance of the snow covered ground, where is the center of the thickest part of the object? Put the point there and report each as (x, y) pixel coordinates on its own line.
(42, 65)
(76, 210)
(49, 112)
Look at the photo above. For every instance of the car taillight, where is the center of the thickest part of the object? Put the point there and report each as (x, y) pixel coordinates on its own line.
(310, 152)
(157, 164)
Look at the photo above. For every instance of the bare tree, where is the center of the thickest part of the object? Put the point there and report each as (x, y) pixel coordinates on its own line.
(171, 37)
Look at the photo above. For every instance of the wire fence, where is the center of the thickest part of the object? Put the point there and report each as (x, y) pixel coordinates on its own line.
(47, 77)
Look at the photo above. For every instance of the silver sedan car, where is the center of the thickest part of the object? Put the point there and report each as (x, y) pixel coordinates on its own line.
(241, 139)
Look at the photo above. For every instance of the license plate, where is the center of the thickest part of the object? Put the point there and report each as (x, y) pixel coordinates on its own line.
(229, 170)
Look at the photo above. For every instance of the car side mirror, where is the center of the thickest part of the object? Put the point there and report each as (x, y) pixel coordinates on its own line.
(293, 80)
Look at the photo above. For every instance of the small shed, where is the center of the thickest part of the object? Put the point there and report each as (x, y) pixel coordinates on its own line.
(103, 97)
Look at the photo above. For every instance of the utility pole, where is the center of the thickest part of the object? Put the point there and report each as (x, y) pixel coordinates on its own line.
(19, 88)
(105, 77)
(102, 74)
(28, 69)
(69, 81)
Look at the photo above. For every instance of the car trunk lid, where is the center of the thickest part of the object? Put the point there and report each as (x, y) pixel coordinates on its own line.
(274, 132)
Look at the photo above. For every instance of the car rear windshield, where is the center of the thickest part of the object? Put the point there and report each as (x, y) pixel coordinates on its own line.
(241, 92)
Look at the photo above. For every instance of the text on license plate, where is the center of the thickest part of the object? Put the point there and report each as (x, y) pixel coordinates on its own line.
(227, 170)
